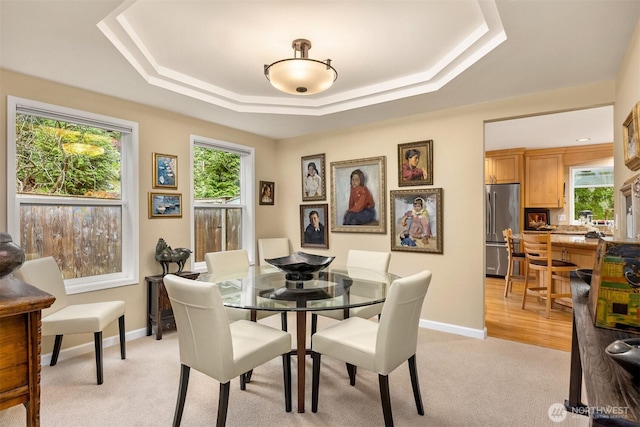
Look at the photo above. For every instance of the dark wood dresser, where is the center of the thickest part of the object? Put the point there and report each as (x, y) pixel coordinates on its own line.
(21, 308)
(159, 312)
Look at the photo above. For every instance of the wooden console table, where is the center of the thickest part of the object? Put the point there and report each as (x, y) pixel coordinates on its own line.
(613, 401)
(21, 308)
(159, 312)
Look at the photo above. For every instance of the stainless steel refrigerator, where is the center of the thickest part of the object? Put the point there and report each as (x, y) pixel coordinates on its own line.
(502, 203)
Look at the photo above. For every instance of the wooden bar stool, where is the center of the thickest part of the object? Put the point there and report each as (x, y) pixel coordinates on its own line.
(514, 256)
(538, 251)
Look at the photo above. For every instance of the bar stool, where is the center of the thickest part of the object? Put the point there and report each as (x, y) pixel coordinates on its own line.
(538, 251)
(514, 256)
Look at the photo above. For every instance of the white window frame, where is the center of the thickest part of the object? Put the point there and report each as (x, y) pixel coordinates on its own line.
(129, 191)
(594, 165)
(247, 193)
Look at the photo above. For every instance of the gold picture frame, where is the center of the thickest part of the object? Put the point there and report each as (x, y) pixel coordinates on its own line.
(415, 163)
(318, 236)
(313, 178)
(630, 138)
(416, 220)
(165, 205)
(372, 171)
(165, 171)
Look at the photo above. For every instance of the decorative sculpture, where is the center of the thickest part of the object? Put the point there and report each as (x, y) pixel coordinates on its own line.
(11, 255)
(165, 255)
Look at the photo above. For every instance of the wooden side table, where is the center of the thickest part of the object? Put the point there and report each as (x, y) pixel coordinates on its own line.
(21, 308)
(159, 312)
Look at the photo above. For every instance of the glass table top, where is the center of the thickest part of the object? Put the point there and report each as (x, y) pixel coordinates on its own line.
(335, 287)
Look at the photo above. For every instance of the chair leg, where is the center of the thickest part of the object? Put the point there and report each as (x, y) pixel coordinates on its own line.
(315, 382)
(123, 341)
(182, 394)
(283, 320)
(314, 323)
(97, 341)
(526, 284)
(352, 370)
(243, 381)
(413, 372)
(286, 368)
(223, 404)
(56, 350)
(507, 278)
(386, 399)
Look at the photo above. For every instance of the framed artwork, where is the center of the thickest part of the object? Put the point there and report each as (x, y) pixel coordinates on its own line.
(165, 171)
(416, 220)
(313, 226)
(313, 178)
(536, 218)
(358, 189)
(415, 163)
(267, 192)
(630, 137)
(162, 205)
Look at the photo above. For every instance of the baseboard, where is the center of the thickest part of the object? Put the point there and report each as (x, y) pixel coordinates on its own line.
(68, 353)
(454, 329)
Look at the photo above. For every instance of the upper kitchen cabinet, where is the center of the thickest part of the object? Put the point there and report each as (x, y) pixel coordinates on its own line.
(504, 166)
(544, 179)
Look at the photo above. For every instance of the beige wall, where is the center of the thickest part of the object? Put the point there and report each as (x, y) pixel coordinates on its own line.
(160, 131)
(627, 95)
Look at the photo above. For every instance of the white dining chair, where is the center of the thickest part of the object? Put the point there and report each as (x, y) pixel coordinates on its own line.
(63, 318)
(360, 265)
(220, 349)
(378, 347)
(275, 247)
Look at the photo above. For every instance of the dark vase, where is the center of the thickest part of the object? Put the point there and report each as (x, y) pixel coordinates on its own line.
(11, 255)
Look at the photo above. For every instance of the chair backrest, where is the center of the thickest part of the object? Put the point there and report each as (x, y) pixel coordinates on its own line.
(371, 260)
(398, 328)
(538, 247)
(272, 248)
(511, 246)
(44, 274)
(222, 262)
(204, 335)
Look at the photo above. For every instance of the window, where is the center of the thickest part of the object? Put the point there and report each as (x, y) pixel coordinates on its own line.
(222, 198)
(72, 192)
(591, 190)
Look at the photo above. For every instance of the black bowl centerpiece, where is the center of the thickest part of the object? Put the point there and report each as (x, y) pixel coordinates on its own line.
(585, 274)
(300, 265)
(627, 354)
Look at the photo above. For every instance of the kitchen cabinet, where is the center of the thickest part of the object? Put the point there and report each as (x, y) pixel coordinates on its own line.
(544, 180)
(503, 166)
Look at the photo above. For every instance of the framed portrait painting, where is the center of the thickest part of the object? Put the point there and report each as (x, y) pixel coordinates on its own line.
(536, 218)
(314, 220)
(630, 136)
(163, 205)
(313, 178)
(358, 189)
(267, 192)
(415, 163)
(416, 220)
(165, 171)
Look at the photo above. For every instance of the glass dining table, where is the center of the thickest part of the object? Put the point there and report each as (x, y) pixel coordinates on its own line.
(334, 288)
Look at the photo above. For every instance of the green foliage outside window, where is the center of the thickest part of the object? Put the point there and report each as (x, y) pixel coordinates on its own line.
(65, 159)
(216, 174)
(599, 200)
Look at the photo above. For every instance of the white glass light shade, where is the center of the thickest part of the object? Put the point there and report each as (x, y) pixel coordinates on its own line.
(301, 76)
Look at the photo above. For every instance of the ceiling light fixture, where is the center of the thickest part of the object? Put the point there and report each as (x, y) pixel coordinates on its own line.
(300, 75)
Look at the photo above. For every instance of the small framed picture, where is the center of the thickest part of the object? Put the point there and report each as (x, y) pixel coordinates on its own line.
(267, 192)
(314, 227)
(415, 163)
(313, 178)
(162, 205)
(165, 171)
(630, 137)
(536, 218)
(417, 220)
(358, 191)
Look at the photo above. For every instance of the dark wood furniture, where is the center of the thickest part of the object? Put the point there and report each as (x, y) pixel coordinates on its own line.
(21, 308)
(613, 401)
(159, 311)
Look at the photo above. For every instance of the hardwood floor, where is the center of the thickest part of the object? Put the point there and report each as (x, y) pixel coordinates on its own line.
(505, 319)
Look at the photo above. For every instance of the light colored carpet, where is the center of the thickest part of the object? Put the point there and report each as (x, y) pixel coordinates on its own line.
(464, 382)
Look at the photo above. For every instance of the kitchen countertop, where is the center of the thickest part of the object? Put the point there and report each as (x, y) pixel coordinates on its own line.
(574, 240)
